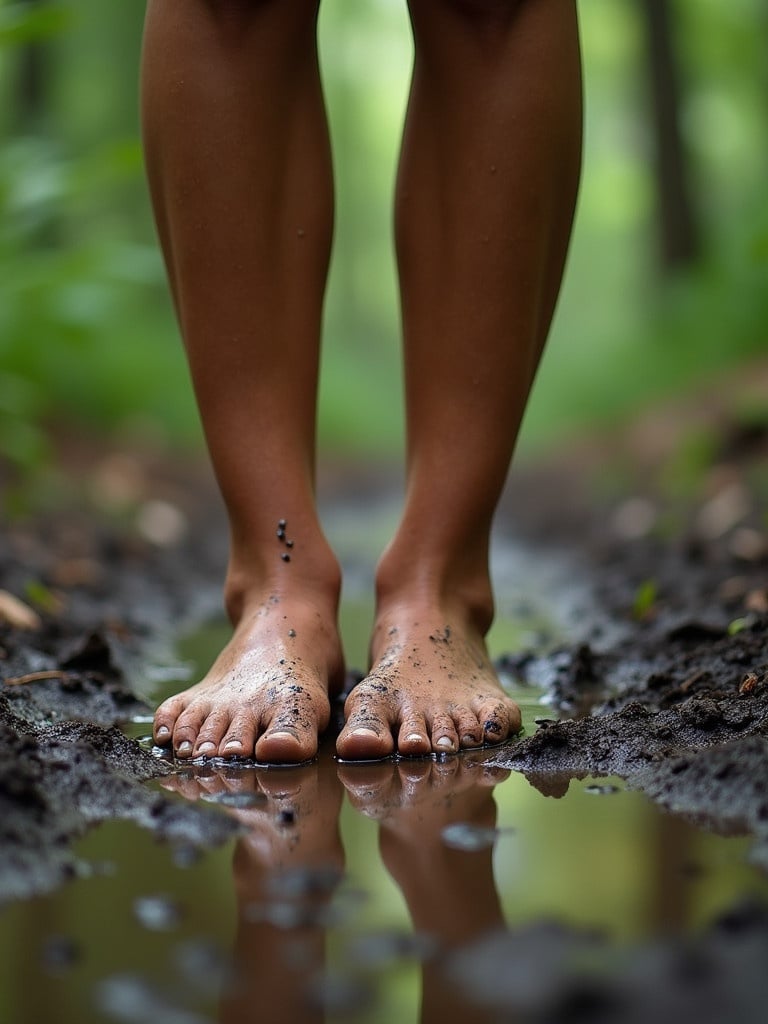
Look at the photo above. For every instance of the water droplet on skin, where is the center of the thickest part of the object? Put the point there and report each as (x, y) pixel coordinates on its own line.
(606, 790)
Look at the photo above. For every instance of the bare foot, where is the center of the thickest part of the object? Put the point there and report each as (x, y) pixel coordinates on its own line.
(431, 688)
(266, 695)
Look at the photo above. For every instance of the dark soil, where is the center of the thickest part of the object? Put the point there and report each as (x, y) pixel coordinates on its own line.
(667, 686)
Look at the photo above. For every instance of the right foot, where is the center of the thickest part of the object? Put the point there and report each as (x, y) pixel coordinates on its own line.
(266, 695)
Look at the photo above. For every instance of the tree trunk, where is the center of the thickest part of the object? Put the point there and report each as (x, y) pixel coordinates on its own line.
(678, 229)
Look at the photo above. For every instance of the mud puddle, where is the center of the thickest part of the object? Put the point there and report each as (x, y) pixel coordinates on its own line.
(376, 893)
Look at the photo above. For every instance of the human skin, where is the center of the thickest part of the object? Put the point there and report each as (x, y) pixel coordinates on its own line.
(239, 165)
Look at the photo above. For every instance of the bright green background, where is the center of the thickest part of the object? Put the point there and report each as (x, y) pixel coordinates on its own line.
(87, 338)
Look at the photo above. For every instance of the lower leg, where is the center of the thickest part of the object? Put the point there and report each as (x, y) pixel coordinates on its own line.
(485, 199)
(238, 162)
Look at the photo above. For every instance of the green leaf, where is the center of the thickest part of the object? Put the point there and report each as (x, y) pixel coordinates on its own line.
(26, 23)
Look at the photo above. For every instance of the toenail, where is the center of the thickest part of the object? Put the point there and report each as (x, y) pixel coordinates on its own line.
(281, 733)
(444, 743)
(232, 744)
(365, 732)
(184, 748)
(163, 732)
(414, 737)
(206, 748)
(468, 739)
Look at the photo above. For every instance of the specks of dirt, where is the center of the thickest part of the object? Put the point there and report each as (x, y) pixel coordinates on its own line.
(291, 633)
(285, 556)
(286, 817)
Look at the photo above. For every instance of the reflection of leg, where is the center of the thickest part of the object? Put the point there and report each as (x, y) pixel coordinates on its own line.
(239, 167)
(450, 894)
(485, 198)
(284, 869)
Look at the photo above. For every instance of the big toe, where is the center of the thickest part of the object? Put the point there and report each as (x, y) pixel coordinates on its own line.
(283, 744)
(364, 740)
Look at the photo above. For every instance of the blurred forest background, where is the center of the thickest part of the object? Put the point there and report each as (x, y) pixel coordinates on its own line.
(667, 276)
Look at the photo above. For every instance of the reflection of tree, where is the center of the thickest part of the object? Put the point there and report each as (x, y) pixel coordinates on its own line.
(679, 235)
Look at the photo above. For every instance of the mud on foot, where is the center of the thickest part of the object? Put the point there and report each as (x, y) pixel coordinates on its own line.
(266, 695)
(432, 688)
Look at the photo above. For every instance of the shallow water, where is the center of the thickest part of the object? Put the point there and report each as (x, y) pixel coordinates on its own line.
(350, 882)
(348, 885)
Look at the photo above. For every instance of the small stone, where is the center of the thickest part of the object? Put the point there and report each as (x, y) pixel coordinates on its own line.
(157, 913)
(285, 557)
(606, 790)
(291, 633)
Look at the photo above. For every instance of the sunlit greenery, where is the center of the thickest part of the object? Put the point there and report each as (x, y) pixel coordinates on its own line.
(87, 335)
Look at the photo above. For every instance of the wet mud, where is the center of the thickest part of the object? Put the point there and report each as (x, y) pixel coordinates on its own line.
(673, 698)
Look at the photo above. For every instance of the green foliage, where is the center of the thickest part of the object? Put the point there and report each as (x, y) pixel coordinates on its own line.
(25, 23)
(86, 329)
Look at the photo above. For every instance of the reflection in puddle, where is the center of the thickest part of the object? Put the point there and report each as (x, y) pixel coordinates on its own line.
(349, 889)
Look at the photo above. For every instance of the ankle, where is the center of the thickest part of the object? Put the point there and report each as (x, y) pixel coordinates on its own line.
(460, 592)
(312, 576)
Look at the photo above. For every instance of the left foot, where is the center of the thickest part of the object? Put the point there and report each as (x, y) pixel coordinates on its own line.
(432, 688)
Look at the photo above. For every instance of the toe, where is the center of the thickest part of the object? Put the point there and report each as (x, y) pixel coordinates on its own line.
(165, 719)
(498, 719)
(468, 727)
(282, 744)
(240, 738)
(187, 728)
(364, 738)
(367, 734)
(412, 737)
(211, 733)
(444, 737)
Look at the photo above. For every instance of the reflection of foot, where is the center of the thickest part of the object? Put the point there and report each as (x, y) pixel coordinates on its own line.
(291, 815)
(432, 688)
(285, 870)
(266, 695)
(450, 893)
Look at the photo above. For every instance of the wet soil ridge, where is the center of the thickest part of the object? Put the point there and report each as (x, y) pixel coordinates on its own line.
(547, 974)
(58, 780)
(61, 672)
(677, 707)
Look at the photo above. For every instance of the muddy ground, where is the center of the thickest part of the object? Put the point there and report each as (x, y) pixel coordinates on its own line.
(673, 695)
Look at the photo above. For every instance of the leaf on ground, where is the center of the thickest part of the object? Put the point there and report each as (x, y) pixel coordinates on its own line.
(17, 614)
